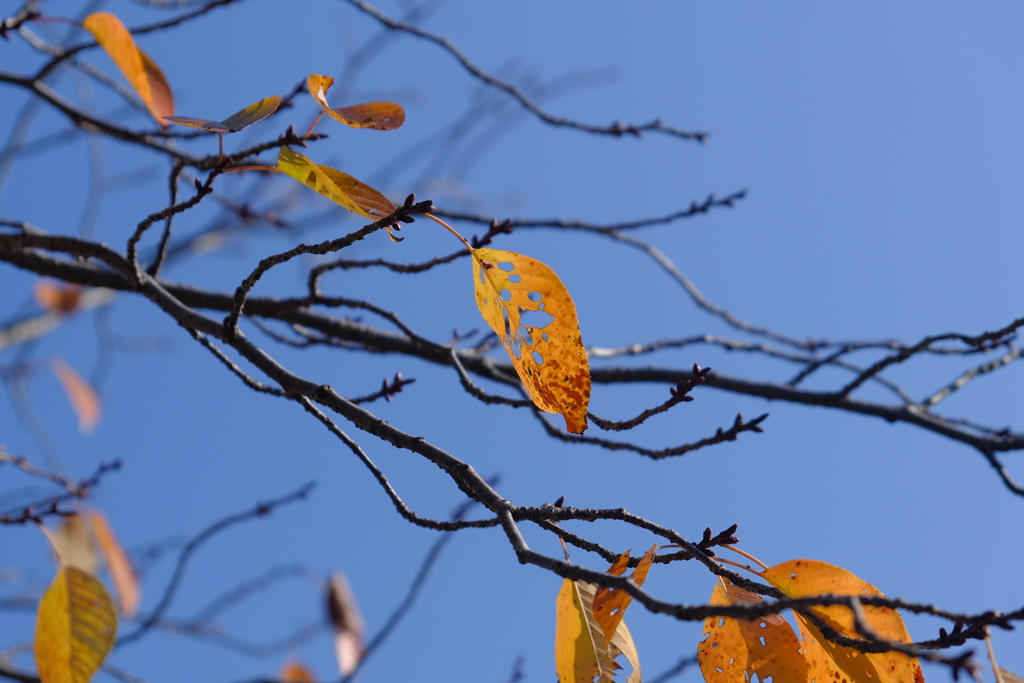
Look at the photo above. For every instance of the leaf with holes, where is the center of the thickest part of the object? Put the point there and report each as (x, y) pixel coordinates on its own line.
(141, 72)
(84, 399)
(340, 188)
(532, 313)
(610, 603)
(581, 653)
(122, 573)
(806, 578)
(373, 115)
(733, 650)
(234, 123)
(75, 628)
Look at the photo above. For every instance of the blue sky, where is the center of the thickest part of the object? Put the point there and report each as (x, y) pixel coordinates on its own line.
(881, 149)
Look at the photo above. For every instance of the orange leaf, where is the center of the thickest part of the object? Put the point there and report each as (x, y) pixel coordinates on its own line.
(57, 297)
(126, 581)
(805, 578)
(348, 625)
(733, 650)
(75, 628)
(142, 72)
(294, 672)
(339, 187)
(581, 653)
(84, 400)
(532, 313)
(610, 603)
(234, 123)
(375, 115)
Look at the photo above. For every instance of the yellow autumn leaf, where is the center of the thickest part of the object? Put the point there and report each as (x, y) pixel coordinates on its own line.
(234, 123)
(581, 654)
(84, 399)
(808, 578)
(532, 313)
(75, 628)
(340, 188)
(374, 115)
(733, 650)
(141, 72)
(610, 603)
(122, 573)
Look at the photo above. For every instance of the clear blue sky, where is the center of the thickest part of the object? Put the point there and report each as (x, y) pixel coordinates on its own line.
(881, 146)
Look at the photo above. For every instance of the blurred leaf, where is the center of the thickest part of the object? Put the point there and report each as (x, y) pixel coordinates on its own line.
(339, 187)
(76, 544)
(581, 654)
(808, 578)
(294, 672)
(1009, 676)
(56, 296)
(141, 72)
(546, 348)
(84, 400)
(75, 628)
(375, 115)
(347, 623)
(610, 603)
(734, 650)
(234, 123)
(126, 581)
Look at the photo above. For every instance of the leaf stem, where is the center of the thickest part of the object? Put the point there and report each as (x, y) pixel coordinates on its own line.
(451, 230)
(747, 555)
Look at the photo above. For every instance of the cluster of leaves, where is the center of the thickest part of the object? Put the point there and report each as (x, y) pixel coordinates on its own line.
(590, 634)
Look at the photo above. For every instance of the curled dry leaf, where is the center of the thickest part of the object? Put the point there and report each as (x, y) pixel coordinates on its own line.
(581, 653)
(76, 545)
(142, 73)
(122, 573)
(234, 123)
(340, 188)
(347, 623)
(532, 313)
(84, 399)
(610, 603)
(75, 628)
(373, 115)
(57, 297)
(808, 578)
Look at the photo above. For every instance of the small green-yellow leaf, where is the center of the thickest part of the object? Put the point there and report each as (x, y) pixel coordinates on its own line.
(340, 188)
(532, 313)
(234, 123)
(75, 628)
(141, 72)
(374, 115)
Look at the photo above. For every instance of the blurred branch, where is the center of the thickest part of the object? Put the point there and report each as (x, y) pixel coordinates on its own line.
(615, 129)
